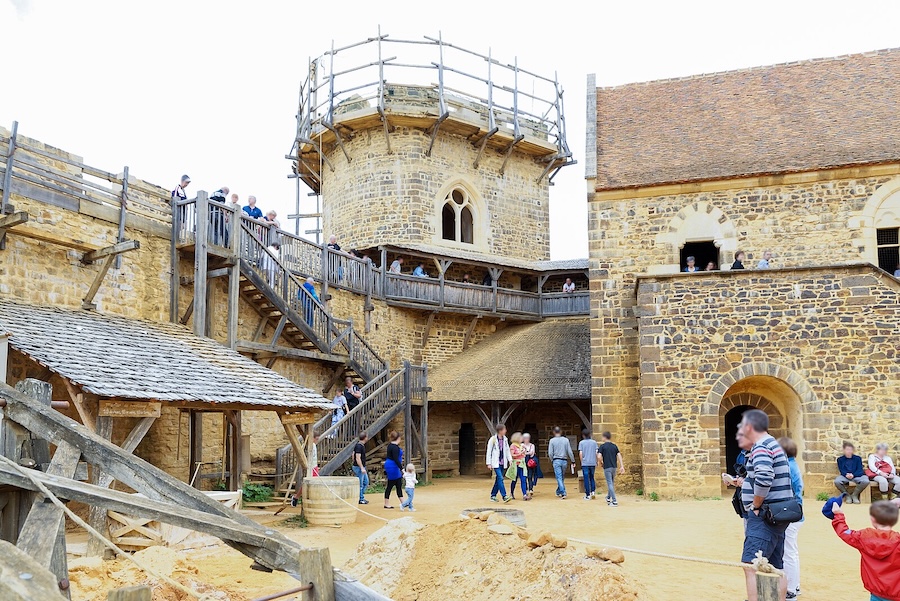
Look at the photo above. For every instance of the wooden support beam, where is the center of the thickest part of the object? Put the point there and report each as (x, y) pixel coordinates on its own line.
(584, 418)
(426, 333)
(508, 413)
(469, 332)
(97, 513)
(187, 313)
(234, 299)
(279, 329)
(45, 518)
(41, 585)
(115, 249)
(221, 272)
(87, 302)
(296, 445)
(196, 443)
(333, 379)
(315, 565)
(201, 257)
(13, 220)
(260, 328)
(264, 350)
(51, 238)
(87, 414)
(483, 415)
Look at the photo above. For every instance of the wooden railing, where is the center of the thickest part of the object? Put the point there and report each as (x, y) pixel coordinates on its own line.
(566, 303)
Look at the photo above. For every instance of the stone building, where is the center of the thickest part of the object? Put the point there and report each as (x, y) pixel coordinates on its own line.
(801, 160)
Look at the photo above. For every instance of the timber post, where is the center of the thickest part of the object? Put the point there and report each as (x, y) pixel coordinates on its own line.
(767, 586)
(315, 568)
(200, 262)
(234, 280)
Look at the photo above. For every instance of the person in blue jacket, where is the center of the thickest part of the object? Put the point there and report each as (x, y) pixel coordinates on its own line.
(850, 468)
(392, 470)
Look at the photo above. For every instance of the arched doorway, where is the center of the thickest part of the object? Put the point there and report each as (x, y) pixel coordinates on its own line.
(776, 389)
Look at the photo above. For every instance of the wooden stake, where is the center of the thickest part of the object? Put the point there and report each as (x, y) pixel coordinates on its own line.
(767, 586)
(315, 568)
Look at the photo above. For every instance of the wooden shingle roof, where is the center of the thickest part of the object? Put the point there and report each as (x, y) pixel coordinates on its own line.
(113, 356)
(545, 361)
(802, 116)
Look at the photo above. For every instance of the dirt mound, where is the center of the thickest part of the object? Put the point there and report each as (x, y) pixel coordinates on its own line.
(464, 560)
(92, 578)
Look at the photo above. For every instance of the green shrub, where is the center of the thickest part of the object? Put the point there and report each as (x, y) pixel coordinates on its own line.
(822, 496)
(257, 493)
(639, 492)
(654, 496)
(295, 521)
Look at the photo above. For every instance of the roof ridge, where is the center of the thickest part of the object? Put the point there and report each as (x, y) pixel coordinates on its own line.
(806, 61)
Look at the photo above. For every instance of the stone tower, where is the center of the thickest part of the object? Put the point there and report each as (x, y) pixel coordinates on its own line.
(459, 156)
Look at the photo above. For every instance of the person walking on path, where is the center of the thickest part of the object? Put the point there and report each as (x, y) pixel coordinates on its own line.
(850, 467)
(560, 453)
(768, 481)
(497, 459)
(516, 471)
(392, 470)
(531, 465)
(588, 451)
(612, 463)
(409, 483)
(791, 549)
(359, 467)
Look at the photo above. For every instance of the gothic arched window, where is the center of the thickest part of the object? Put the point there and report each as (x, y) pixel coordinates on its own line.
(457, 217)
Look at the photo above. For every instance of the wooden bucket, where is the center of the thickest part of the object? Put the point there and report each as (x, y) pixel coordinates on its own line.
(322, 499)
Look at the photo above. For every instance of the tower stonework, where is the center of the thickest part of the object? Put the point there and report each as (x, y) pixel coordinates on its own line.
(458, 157)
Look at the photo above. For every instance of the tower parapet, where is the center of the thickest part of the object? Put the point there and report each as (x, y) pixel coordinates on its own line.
(421, 141)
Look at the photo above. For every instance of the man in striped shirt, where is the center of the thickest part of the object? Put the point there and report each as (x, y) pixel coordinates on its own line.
(768, 480)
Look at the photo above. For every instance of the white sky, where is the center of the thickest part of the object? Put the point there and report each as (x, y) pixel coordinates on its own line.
(210, 87)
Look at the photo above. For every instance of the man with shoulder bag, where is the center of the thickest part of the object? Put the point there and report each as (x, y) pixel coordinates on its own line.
(768, 499)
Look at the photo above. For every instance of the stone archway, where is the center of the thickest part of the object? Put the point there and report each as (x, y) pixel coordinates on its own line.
(730, 410)
(778, 390)
(699, 222)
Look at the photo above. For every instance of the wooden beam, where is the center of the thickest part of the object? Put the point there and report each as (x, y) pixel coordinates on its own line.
(279, 329)
(427, 332)
(484, 416)
(260, 328)
(88, 303)
(41, 585)
(46, 518)
(508, 413)
(13, 220)
(315, 565)
(469, 332)
(115, 249)
(51, 238)
(111, 408)
(86, 413)
(195, 440)
(333, 379)
(297, 445)
(221, 272)
(187, 313)
(97, 513)
(254, 348)
(584, 418)
(201, 258)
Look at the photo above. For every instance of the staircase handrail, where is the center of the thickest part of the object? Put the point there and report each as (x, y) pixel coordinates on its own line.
(363, 405)
(374, 381)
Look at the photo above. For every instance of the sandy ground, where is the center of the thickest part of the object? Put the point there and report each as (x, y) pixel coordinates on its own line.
(703, 529)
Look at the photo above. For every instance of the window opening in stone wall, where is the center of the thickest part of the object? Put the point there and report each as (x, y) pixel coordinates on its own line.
(888, 241)
(448, 221)
(703, 252)
(458, 217)
(466, 226)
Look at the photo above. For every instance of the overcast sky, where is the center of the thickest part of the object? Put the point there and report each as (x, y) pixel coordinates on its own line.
(210, 87)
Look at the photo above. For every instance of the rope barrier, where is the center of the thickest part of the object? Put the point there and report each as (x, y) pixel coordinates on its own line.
(106, 542)
(760, 564)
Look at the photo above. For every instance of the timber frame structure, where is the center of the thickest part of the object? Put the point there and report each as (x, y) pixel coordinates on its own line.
(27, 517)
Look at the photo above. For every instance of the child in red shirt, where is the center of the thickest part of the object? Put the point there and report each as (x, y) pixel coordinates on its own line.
(879, 548)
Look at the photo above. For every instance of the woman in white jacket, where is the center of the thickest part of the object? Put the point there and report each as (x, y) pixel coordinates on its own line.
(497, 459)
(883, 468)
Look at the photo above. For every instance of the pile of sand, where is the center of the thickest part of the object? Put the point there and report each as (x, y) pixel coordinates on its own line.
(92, 577)
(465, 560)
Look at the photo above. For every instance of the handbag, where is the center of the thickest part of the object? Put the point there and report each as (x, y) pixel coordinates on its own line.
(787, 511)
(884, 466)
(737, 503)
(531, 463)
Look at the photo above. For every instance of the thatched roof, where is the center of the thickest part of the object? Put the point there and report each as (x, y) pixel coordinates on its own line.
(801, 116)
(114, 356)
(545, 361)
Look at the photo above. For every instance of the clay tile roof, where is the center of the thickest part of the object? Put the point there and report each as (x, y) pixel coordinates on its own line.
(801, 116)
(545, 361)
(114, 356)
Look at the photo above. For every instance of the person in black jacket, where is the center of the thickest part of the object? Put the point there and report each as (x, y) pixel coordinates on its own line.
(738, 260)
(393, 469)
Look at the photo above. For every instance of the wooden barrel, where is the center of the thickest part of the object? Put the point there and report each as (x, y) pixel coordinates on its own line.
(322, 500)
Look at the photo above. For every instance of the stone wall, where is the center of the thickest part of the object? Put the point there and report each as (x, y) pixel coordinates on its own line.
(445, 420)
(819, 219)
(396, 198)
(819, 344)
